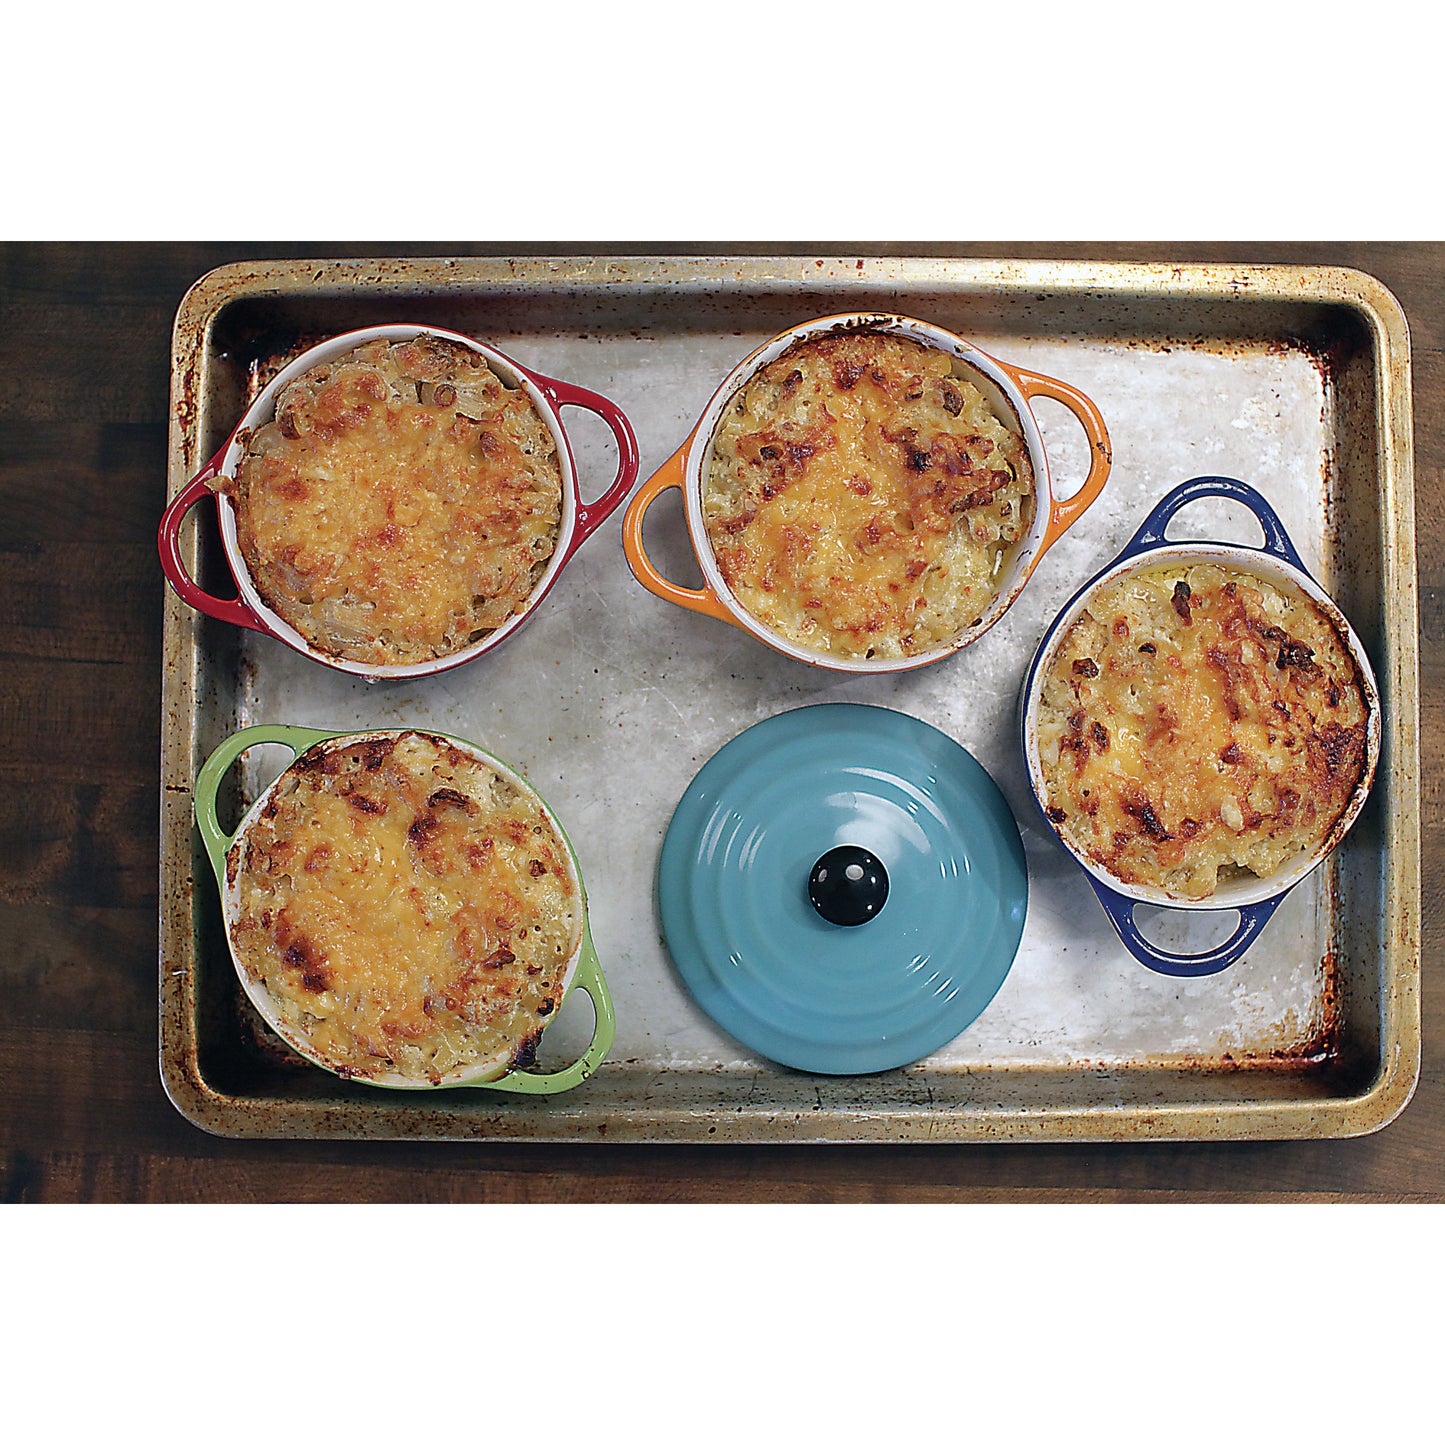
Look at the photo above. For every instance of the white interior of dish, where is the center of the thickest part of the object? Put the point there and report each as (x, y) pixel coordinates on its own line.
(260, 997)
(971, 365)
(263, 409)
(1237, 891)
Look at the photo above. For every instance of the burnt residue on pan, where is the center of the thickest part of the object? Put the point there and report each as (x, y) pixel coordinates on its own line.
(1302, 1046)
(185, 403)
(1319, 1047)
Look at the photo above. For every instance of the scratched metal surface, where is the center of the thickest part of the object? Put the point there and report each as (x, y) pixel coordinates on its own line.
(610, 700)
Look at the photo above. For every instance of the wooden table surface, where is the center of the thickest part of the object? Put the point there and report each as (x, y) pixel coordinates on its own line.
(84, 367)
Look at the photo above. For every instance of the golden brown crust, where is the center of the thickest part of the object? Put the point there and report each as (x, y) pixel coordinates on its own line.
(1196, 719)
(408, 910)
(861, 499)
(402, 503)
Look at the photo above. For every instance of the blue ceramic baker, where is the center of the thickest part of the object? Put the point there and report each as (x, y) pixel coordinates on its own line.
(1255, 899)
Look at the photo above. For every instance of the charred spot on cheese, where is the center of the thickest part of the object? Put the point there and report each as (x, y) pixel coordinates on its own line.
(1195, 721)
(861, 500)
(1143, 810)
(313, 974)
(402, 504)
(1296, 655)
(421, 938)
(450, 798)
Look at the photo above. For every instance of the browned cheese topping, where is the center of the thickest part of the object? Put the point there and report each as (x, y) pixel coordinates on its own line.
(402, 504)
(1199, 723)
(408, 909)
(862, 499)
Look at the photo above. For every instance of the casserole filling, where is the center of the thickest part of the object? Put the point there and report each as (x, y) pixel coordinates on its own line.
(407, 908)
(862, 500)
(402, 504)
(1197, 723)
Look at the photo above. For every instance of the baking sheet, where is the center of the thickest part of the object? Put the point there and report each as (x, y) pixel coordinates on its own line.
(610, 700)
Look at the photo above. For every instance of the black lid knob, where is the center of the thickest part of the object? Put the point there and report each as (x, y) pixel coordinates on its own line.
(848, 886)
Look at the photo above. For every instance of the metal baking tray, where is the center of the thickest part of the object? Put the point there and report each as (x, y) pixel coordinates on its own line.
(1293, 379)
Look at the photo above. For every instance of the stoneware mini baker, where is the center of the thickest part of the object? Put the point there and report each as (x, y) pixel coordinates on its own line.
(548, 396)
(1254, 899)
(583, 968)
(1007, 389)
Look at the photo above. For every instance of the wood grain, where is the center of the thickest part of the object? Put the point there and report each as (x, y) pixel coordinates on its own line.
(84, 355)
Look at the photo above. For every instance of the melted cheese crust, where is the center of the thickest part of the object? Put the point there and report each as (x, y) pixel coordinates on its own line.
(861, 499)
(402, 504)
(409, 910)
(1196, 720)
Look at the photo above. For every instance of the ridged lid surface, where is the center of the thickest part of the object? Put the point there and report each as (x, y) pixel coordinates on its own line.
(747, 840)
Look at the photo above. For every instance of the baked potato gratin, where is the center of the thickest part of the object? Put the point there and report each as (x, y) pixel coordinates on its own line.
(1197, 723)
(402, 503)
(408, 910)
(861, 498)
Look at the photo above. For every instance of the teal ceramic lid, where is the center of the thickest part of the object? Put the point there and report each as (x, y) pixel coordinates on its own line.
(842, 889)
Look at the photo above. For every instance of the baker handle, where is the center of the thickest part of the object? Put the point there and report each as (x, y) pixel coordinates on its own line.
(591, 515)
(604, 1029)
(168, 542)
(1151, 534)
(214, 838)
(669, 475)
(1120, 911)
(1063, 513)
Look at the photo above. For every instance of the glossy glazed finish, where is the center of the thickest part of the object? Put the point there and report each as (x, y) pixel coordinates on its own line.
(848, 886)
(1255, 898)
(1007, 389)
(733, 889)
(583, 968)
(578, 520)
